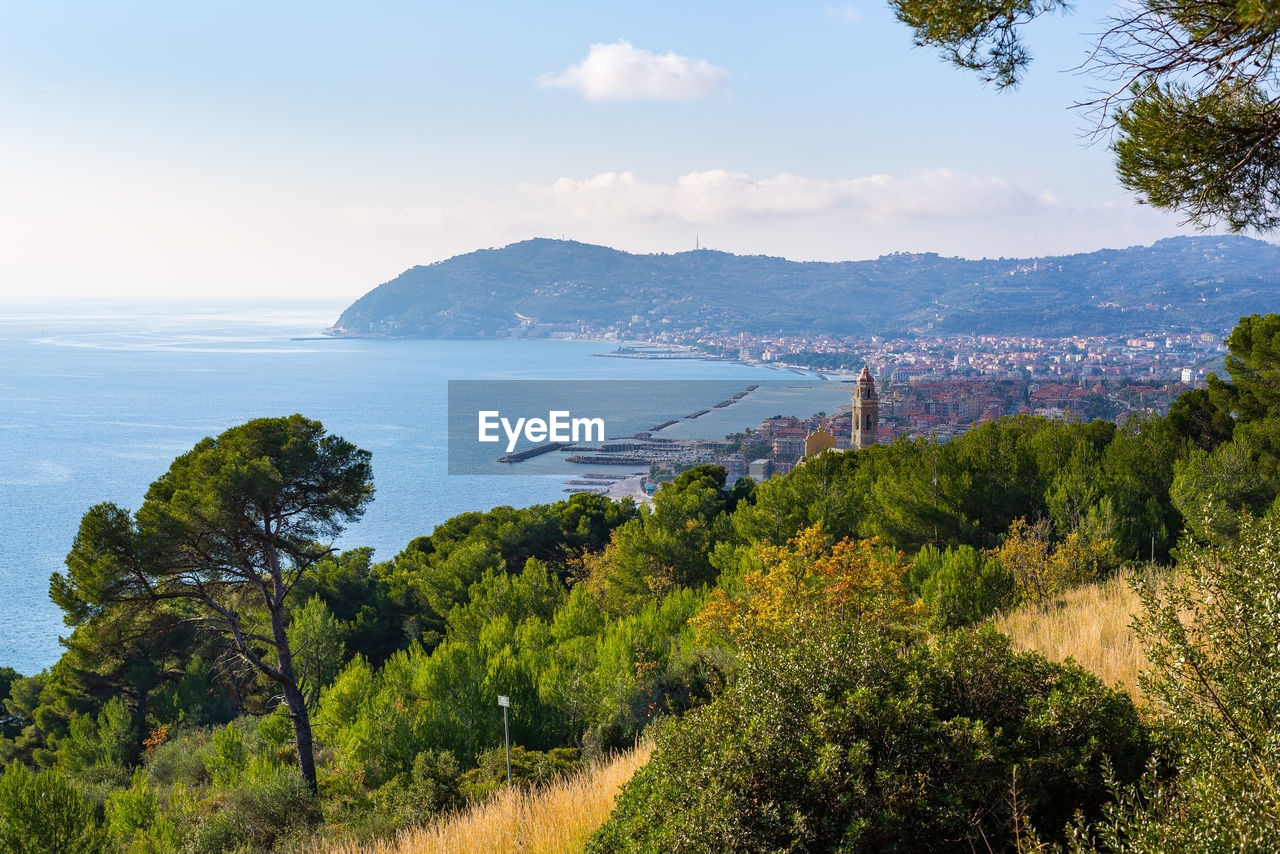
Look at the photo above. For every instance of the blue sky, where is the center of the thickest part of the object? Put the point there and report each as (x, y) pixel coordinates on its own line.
(317, 149)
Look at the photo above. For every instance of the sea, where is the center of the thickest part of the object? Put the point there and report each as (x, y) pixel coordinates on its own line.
(97, 399)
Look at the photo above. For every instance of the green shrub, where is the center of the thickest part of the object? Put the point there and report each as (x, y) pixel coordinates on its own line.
(855, 744)
(406, 799)
(196, 699)
(276, 730)
(45, 813)
(436, 780)
(271, 804)
(965, 586)
(926, 562)
(196, 757)
(180, 759)
(531, 767)
(1222, 807)
(317, 637)
(97, 783)
(135, 821)
(108, 740)
(228, 757)
(1212, 633)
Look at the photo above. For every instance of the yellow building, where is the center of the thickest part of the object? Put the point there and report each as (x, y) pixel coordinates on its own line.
(818, 441)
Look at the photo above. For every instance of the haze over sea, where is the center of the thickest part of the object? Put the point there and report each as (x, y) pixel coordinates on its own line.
(97, 400)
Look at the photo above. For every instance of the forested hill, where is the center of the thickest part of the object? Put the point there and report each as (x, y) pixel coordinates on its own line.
(1179, 284)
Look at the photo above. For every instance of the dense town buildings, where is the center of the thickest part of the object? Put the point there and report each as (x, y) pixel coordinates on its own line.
(940, 386)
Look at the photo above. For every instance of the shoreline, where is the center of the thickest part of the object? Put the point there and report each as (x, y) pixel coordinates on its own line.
(662, 351)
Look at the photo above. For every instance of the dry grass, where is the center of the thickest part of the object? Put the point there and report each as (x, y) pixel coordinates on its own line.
(555, 819)
(1089, 624)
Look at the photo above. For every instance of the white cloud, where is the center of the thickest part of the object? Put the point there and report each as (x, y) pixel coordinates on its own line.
(717, 195)
(846, 14)
(623, 72)
(831, 219)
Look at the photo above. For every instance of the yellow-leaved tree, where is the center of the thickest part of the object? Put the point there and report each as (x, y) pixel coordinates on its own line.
(1042, 569)
(810, 588)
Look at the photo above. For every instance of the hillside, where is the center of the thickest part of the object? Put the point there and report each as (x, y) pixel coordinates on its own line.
(554, 819)
(1178, 284)
(1090, 625)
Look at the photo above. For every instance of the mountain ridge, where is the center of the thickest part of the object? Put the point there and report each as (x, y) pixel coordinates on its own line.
(1189, 283)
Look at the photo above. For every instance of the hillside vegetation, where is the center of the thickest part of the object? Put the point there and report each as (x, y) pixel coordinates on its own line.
(813, 657)
(1091, 624)
(1180, 284)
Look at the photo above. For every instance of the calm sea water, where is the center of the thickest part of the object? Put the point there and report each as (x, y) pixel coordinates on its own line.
(96, 401)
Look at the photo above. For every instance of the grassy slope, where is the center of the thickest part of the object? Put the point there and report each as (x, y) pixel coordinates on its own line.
(555, 819)
(1089, 624)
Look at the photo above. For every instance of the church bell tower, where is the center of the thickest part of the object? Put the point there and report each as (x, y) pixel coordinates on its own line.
(866, 411)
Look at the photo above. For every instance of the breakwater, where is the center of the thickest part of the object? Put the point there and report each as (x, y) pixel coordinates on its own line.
(527, 453)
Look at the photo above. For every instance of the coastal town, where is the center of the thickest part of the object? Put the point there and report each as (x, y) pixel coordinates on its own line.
(929, 386)
(1166, 362)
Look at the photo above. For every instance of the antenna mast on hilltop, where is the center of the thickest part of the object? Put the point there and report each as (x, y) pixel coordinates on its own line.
(696, 244)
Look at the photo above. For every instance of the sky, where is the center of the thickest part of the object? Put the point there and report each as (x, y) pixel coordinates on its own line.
(291, 150)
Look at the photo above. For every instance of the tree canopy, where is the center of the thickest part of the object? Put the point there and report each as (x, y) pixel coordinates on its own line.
(228, 531)
(1189, 89)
